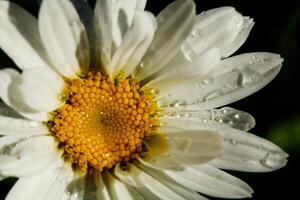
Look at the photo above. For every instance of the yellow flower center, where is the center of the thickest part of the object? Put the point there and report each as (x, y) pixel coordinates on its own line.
(102, 123)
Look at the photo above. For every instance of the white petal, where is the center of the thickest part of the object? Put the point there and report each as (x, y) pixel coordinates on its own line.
(242, 151)
(64, 37)
(17, 126)
(188, 146)
(37, 90)
(174, 24)
(95, 187)
(24, 157)
(130, 176)
(141, 4)
(19, 36)
(102, 191)
(172, 77)
(112, 20)
(222, 28)
(134, 45)
(221, 117)
(160, 162)
(236, 78)
(7, 76)
(239, 40)
(51, 183)
(75, 189)
(119, 190)
(211, 181)
(216, 28)
(164, 187)
(247, 152)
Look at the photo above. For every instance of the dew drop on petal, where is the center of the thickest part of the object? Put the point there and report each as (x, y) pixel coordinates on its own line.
(179, 103)
(188, 51)
(272, 163)
(213, 95)
(182, 144)
(234, 142)
(155, 91)
(197, 32)
(33, 124)
(236, 119)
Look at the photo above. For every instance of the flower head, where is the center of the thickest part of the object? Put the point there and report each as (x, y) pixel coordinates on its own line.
(116, 103)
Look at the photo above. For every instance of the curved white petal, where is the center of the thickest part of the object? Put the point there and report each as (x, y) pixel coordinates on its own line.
(156, 182)
(37, 90)
(112, 20)
(48, 185)
(174, 24)
(141, 4)
(75, 190)
(16, 126)
(102, 191)
(188, 146)
(64, 37)
(19, 37)
(134, 45)
(223, 28)
(130, 175)
(220, 117)
(160, 162)
(247, 152)
(236, 78)
(211, 181)
(120, 190)
(218, 27)
(172, 77)
(7, 76)
(242, 151)
(22, 156)
(167, 188)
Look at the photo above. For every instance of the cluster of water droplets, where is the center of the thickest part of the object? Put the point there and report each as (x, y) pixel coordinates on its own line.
(225, 116)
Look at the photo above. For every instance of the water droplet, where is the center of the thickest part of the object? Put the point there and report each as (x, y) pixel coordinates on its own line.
(183, 144)
(234, 142)
(237, 116)
(213, 95)
(239, 22)
(187, 115)
(188, 51)
(272, 163)
(197, 32)
(248, 77)
(171, 114)
(254, 57)
(142, 65)
(33, 124)
(237, 119)
(155, 91)
(179, 103)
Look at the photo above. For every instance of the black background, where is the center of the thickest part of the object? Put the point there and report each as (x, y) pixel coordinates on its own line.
(276, 107)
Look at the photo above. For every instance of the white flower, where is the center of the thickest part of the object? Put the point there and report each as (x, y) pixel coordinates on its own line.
(77, 125)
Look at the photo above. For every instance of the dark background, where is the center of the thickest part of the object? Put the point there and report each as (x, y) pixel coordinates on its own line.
(276, 107)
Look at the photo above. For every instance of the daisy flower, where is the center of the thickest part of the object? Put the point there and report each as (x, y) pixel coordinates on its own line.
(116, 103)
